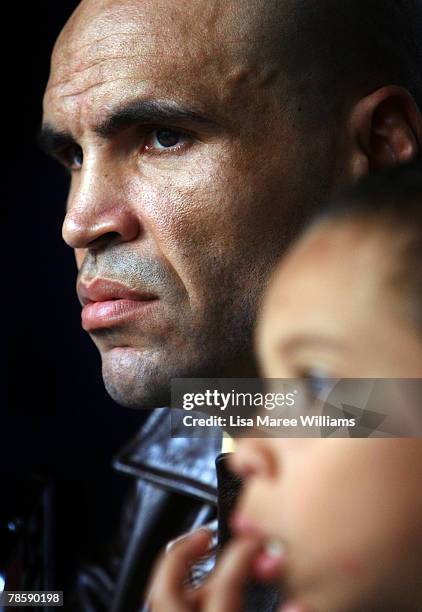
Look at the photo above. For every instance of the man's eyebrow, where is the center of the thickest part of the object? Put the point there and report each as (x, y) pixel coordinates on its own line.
(153, 112)
(52, 141)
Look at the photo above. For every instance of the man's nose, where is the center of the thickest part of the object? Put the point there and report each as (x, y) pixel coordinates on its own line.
(98, 213)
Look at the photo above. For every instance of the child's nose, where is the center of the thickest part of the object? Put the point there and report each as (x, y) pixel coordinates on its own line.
(253, 457)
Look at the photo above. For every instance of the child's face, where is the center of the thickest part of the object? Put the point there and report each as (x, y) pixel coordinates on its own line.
(332, 309)
(348, 511)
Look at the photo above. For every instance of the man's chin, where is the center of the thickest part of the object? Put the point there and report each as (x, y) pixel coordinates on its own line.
(137, 400)
(133, 381)
(141, 378)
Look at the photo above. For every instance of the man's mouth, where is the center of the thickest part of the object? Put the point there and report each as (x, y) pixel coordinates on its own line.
(107, 303)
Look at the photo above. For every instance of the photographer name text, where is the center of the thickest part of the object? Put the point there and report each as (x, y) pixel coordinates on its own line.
(266, 421)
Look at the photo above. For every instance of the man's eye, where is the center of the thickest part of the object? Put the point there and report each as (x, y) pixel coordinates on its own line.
(162, 139)
(75, 158)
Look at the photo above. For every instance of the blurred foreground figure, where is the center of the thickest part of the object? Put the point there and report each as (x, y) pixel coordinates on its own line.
(336, 522)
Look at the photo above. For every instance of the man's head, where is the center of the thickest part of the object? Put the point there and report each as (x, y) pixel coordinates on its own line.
(199, 135)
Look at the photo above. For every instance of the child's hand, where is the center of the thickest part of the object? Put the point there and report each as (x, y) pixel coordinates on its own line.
(223, 591)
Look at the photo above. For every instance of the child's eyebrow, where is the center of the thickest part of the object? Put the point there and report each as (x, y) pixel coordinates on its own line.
(305, 341)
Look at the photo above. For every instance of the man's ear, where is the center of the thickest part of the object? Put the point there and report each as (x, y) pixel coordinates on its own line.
(386, 128)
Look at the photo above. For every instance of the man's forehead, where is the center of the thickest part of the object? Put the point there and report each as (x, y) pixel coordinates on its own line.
(93, 94)
(148, 49)
(111, 58)
(189, 29)
(101, 25)
(110, 32)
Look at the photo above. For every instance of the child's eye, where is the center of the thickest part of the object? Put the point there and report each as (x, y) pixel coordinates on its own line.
(318, 382)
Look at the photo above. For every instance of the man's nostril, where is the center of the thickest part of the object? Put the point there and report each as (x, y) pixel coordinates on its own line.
(103, 240)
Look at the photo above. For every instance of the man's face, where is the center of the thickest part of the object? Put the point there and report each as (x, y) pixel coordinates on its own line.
(185, 184)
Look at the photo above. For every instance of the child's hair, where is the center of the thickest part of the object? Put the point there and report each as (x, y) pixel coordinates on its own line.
(392, 202)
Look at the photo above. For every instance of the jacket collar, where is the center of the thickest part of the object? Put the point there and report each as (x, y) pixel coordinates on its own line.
(183, 465)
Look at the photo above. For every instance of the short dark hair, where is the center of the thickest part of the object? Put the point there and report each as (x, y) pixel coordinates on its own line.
(389, 201)
(340, 48)
(393, 195)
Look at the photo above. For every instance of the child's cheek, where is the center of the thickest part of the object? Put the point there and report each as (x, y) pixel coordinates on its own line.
(351, 566)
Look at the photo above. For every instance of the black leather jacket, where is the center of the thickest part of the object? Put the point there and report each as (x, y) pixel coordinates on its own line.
(175, 491)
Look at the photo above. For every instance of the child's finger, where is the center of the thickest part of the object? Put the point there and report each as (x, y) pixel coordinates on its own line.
(167, 590)
(225, 588)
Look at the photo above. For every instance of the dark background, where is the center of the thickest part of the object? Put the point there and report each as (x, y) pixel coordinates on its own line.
(57, 422)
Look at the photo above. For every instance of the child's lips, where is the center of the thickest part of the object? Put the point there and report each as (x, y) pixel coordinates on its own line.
(271, 558)
(270, 561)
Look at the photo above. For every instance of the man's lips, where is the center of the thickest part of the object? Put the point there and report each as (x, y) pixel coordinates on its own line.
(107, 303)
